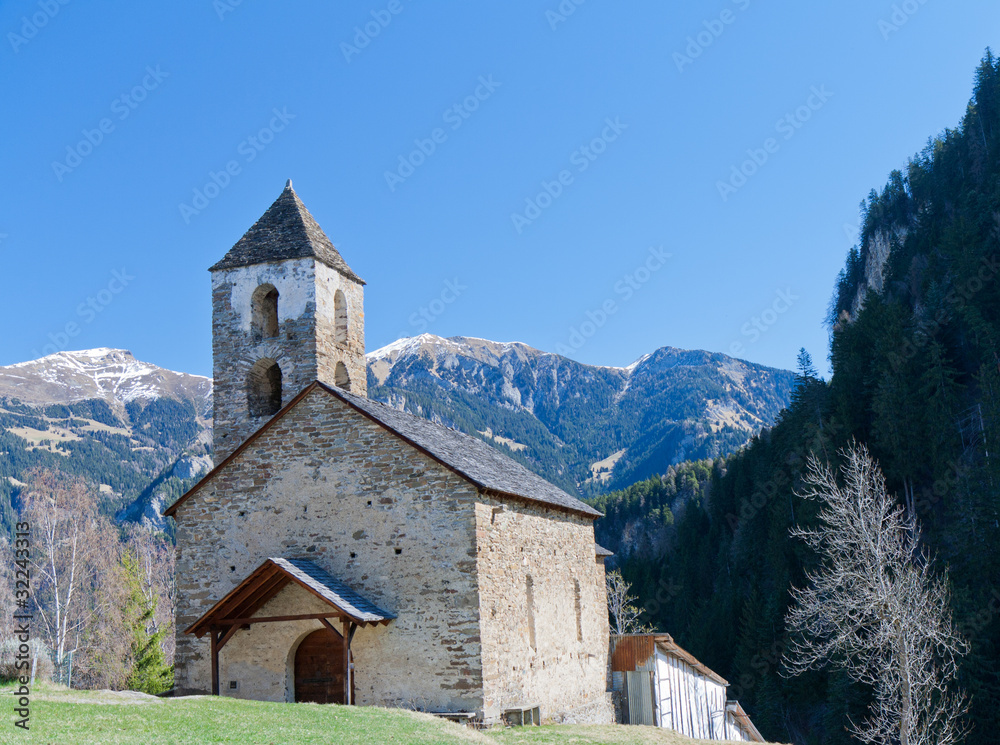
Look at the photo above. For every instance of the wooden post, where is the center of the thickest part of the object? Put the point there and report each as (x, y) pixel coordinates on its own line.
(214, 636)
(347, 662)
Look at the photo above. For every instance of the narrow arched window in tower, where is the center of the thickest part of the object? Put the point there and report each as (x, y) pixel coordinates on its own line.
(578, 605)
(264, 313)
(340, 317)
(530, 599)
(264, 388)
(340, 377)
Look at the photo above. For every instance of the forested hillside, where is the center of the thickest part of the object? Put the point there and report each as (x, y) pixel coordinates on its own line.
(138, 433)
(585, 428)
(914, 320)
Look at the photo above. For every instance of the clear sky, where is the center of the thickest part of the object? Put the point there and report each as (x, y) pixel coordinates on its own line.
(628, 114)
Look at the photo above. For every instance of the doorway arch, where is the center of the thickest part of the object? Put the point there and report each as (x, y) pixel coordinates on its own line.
(319, 669)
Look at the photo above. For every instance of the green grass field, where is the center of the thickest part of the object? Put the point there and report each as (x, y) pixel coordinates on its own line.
(84, 717)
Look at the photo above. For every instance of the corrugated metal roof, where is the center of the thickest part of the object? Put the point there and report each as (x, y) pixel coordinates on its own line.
(631, 652)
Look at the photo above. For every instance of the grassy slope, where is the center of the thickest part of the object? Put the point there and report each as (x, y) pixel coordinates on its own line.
(83, 717)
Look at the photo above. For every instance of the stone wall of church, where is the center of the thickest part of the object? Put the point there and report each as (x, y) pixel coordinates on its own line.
(327, 484)
(544, 612)
(235, 352)
(330, 348)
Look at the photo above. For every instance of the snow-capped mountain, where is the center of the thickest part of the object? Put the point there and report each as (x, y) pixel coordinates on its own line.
(111, 375)
(144, 433)
(141, 432)
(586, 428)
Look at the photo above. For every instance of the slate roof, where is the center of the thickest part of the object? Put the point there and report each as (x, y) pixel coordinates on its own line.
(333, 590)
(276, 573)
(601, 551)
(285, 231)
(472, 458)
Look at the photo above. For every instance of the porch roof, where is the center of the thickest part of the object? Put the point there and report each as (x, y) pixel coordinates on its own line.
(239, 605)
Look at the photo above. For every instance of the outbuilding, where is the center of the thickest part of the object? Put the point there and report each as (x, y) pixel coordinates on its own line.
(661, 684)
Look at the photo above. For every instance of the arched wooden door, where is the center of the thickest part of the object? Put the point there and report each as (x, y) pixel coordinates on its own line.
(319, 669)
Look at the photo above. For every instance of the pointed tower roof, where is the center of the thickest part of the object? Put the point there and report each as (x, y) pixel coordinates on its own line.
(285, 231)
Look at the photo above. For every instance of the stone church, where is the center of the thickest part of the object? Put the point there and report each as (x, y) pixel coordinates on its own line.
(343, 551)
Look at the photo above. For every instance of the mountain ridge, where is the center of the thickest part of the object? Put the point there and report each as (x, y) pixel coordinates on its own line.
(667, 406)
(144, 432)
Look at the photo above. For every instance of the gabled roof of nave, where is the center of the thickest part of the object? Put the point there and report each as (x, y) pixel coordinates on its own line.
(472, 459)
(286, 231)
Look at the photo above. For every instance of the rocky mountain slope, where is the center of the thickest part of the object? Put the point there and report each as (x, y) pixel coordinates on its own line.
(143, 433)
(586, 428)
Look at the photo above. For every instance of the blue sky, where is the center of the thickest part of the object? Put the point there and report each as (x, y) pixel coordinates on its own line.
(624, 117)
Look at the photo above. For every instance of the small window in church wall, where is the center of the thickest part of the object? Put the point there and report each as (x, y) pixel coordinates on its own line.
(530, 598)
(340, 377)
(340, 317)
(264, 389)
(264, 313)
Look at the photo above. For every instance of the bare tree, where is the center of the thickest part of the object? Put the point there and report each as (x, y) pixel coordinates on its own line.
(621, 609)
(71, 548)
(875, 608)
(7, 601)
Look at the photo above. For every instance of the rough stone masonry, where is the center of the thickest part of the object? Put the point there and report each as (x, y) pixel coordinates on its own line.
(491, 575)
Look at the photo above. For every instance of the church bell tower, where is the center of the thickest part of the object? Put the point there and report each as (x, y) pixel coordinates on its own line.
(286, 310)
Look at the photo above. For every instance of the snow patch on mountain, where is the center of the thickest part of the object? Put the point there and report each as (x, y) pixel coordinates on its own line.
(113, 375)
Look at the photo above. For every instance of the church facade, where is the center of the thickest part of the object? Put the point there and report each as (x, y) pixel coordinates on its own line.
(343, 551)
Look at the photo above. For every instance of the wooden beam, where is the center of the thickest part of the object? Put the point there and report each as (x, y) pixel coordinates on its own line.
(225, 637)
(258, 595)
(235, 600)
(225, 622)
(331, 627)
(215, 662)
(250, 585)
(347, 661)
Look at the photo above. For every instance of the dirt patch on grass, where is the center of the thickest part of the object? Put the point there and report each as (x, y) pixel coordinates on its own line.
(115, 698)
